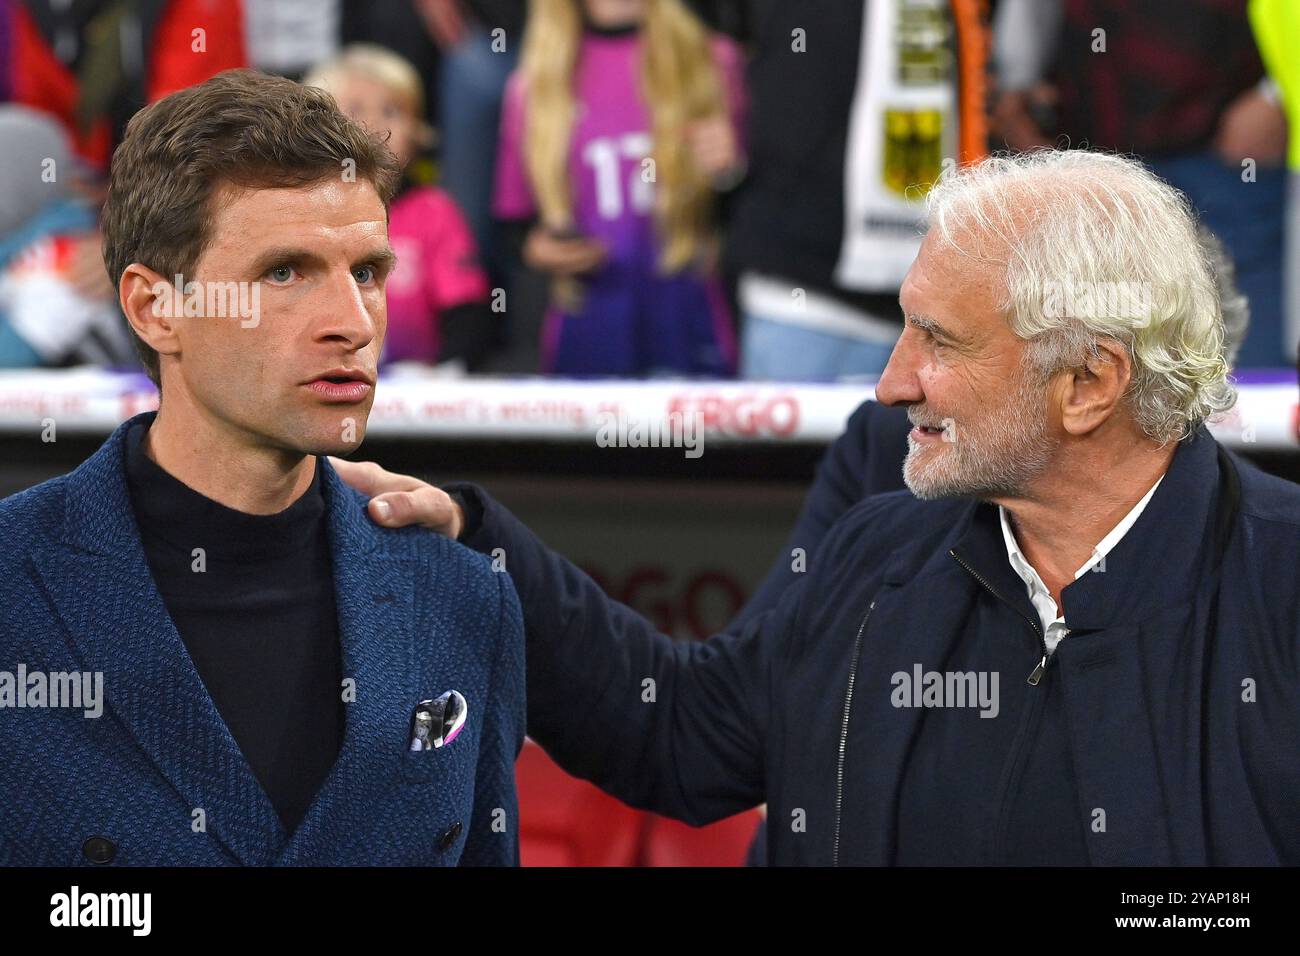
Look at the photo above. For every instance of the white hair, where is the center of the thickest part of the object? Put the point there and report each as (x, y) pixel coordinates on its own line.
(1076, 225)
(1232, 301)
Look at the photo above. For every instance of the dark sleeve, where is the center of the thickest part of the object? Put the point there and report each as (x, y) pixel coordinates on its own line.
(466, 334)
(674, 727)
(839, 485)
(512, 233)
(493, 838)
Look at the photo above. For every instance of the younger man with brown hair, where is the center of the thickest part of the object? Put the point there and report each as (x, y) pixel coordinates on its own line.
(285, 683)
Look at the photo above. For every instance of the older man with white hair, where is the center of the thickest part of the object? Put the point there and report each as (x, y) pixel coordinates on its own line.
(1075, 641)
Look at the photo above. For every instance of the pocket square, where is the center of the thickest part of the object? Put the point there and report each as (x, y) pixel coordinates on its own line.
(437, 722)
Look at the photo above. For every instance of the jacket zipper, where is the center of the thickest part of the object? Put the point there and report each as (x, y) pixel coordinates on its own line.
(1037, 673)
(1035, 704)
(844, 735)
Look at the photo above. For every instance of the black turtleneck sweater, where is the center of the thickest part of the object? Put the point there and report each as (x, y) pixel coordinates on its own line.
(259, 622)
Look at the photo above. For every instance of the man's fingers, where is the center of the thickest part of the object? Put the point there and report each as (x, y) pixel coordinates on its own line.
(393, 510)
(400, 500)
(429, 506)
(353, 474)
(370, 479)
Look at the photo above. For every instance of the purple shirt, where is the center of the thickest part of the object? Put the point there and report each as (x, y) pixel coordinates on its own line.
(613, 203)
(611, 139)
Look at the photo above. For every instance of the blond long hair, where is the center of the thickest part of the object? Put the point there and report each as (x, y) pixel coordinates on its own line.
(680, 84)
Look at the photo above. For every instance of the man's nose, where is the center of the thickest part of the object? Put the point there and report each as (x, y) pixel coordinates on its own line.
(898, 384)
(345, 316)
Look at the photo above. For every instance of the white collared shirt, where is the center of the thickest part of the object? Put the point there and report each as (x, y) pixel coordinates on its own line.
(1053, 622)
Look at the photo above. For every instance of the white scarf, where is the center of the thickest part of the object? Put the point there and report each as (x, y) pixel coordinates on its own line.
(882, 226)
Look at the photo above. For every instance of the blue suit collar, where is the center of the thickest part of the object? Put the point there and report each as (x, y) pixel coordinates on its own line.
(101, 586)
(99, 518)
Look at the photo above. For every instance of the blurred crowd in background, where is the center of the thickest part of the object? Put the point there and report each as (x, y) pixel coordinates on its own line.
(642, 188)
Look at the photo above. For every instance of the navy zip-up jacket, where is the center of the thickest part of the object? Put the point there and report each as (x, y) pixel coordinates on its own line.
(1162, 732)
(866, 460)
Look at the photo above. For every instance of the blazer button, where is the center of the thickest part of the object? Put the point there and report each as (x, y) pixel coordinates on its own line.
(99, 849)
(447, 839)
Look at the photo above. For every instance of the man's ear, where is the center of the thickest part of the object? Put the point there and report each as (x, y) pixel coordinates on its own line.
(153, 306)
(1093, 392)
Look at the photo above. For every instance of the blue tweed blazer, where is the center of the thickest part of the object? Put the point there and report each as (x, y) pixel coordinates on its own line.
(157, 778)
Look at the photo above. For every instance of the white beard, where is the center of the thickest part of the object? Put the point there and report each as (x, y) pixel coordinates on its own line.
(995, 455)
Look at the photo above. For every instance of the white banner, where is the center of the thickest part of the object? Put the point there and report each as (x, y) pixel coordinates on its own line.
(95, 401)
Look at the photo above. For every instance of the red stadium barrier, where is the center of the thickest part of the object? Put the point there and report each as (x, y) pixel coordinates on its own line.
(725, 843)
(564, 821)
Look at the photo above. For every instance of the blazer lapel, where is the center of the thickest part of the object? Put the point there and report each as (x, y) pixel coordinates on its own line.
(375, 596)
(99, 582)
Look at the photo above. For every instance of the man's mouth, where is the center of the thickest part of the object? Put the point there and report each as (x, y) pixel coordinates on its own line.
(927, 433)
(342, 386)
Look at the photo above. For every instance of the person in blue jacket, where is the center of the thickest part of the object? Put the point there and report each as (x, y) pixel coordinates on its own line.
(55, 309)
(1072, 640)
(209, 654)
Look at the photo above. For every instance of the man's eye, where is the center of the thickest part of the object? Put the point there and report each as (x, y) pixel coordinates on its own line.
(280, 273)
(364, 274)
